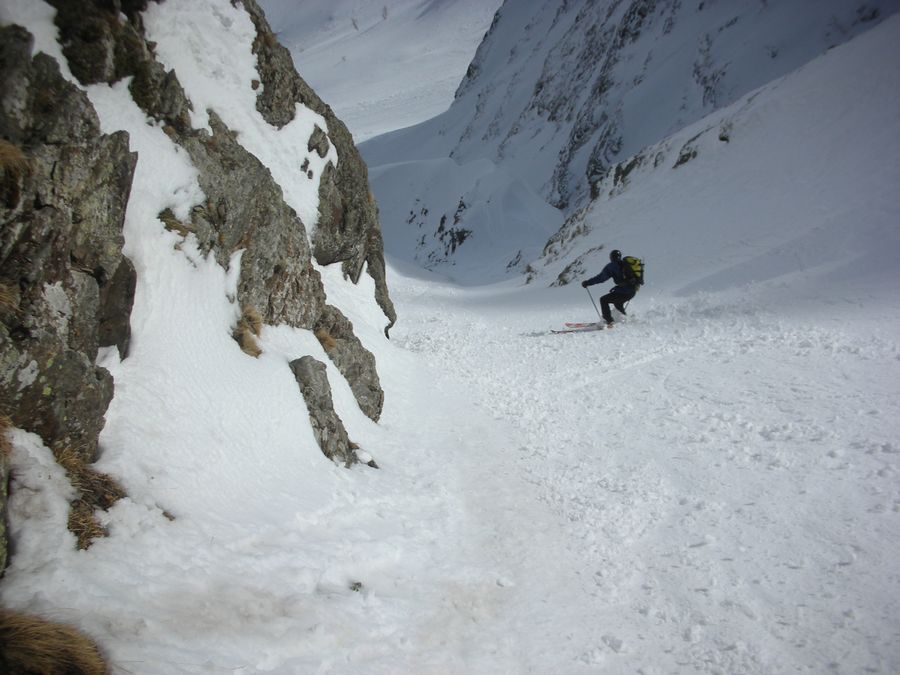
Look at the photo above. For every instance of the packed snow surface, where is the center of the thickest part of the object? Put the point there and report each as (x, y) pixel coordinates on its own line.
(711, 486)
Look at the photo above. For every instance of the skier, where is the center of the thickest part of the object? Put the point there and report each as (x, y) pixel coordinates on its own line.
(626, 285)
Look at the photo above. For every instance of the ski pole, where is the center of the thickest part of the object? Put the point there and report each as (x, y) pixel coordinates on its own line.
(593, 303)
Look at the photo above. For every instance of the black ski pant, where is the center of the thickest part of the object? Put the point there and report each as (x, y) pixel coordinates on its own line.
(617, 299)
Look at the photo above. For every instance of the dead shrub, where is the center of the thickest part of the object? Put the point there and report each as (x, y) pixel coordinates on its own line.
(248, 328)
(9, 299)
(95, 490)
(247, 343)
(173, 224)
(84, 524)
(5, 446)
(252, 318)
(12, 160)
(31, 645)
(326, 339)
(98, 489)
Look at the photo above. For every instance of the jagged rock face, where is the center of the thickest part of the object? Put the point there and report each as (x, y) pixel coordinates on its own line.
(245, 209)
(348, 230)
(97, 46)
(68, 288)
(327, 426)
(357, 367)
(65, 288)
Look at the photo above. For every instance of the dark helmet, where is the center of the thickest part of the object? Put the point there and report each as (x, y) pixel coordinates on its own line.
(615, 255)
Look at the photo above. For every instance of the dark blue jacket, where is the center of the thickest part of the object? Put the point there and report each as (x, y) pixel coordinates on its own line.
(614, 271)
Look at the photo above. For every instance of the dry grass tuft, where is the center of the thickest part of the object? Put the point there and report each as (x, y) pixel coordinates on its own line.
(252, 318)
(249, 326)
(12, 160)
(5, 446)
(9, 299)
(84, 524)
(13, 165)
(247, 342)
(29, 644)
(173, 224)
(95, 490)
(98, 489)
(326, 339)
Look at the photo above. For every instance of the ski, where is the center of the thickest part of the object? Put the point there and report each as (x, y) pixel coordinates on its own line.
(582, 324)
(589, 328)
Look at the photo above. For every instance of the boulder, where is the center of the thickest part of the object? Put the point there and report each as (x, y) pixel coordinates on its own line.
(327, 426)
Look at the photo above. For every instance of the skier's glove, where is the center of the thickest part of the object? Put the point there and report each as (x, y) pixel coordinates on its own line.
(584, 284)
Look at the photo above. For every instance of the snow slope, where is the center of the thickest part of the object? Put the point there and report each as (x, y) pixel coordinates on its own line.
(710, 487)
(385, 65)
(560, 92)
(724, 465)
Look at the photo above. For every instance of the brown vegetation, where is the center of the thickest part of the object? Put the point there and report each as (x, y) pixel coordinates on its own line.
(12, 159)
(98, 489)
(173, 224)
(5, 447)
(13, 166)
(33, 646)
(9, 299)
(95, 490)
(84, 525)
(248, 328)
(326, 339)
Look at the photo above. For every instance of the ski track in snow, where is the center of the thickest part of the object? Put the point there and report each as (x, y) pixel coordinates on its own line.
(723, 481)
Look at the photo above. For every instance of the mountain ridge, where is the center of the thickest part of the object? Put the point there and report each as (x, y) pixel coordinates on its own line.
(513, 108)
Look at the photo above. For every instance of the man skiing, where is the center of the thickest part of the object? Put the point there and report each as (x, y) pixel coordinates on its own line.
(627, 283)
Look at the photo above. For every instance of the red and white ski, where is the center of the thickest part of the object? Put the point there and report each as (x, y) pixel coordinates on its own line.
(580, 328)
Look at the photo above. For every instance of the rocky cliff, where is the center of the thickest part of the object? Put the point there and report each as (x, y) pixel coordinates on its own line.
(66, 288)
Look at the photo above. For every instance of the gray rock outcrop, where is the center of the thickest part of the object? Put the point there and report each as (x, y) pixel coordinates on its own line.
(335, 332)
(327, 426)
(348, 230)
(67, 287)
(66, 290)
